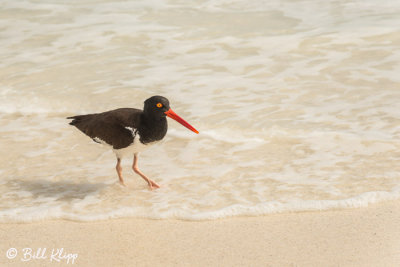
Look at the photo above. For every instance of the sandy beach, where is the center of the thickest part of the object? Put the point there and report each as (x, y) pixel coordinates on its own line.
(351, 237)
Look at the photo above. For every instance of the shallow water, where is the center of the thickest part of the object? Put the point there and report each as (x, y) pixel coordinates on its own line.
(297, 104)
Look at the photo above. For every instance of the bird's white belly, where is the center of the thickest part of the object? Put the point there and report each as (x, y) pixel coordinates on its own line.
(133, 148)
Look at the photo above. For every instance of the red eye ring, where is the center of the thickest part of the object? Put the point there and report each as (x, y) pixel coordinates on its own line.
(159, 105)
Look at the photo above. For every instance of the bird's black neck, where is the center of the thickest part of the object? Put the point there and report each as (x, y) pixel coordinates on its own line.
(152, 128)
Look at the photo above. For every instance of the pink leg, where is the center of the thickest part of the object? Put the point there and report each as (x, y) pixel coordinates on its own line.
(135, 168)
(119, 171)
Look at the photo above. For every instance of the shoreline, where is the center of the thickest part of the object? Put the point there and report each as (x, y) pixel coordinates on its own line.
(367, 236)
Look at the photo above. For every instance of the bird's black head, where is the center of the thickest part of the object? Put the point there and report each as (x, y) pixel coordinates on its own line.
(156, 106)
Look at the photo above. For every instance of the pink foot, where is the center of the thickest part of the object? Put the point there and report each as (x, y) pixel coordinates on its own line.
(153, 185)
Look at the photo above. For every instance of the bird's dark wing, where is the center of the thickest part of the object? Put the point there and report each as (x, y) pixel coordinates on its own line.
(115, 127)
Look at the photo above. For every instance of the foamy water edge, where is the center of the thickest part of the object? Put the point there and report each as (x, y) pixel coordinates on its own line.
(237, 210)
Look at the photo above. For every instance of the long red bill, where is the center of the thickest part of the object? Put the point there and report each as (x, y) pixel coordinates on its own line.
(170, 113)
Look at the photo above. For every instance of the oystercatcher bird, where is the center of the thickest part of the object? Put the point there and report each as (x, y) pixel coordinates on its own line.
(129, 131)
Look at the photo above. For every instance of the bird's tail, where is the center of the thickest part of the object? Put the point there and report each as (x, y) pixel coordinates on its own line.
(77, 119)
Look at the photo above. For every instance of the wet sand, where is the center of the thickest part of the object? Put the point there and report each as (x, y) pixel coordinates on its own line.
(351, 237)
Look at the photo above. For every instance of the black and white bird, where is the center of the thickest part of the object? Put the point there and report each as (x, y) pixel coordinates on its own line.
(129, 131)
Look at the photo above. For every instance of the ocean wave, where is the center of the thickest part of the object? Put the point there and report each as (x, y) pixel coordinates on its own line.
(44, 212)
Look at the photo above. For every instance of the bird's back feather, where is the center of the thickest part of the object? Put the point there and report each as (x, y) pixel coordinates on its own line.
(115, 127)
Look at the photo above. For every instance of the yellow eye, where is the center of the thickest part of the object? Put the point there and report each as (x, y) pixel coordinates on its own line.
(159, 105)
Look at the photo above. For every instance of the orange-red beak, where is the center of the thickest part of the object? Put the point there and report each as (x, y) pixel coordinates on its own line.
(170, 113)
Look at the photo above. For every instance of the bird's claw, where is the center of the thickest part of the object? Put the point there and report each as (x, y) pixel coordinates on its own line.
(153, 185)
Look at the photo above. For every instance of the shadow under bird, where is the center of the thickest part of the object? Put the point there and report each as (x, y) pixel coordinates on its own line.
(129, 131)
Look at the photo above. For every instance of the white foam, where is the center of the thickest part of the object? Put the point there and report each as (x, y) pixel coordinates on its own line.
(44, 212)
